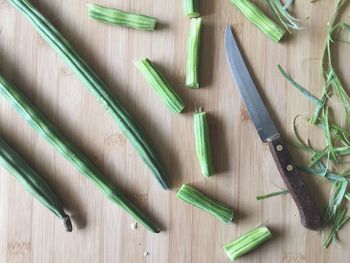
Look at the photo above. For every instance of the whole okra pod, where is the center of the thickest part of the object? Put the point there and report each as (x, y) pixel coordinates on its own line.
(15, 164)
(123, 119)
(71, 152)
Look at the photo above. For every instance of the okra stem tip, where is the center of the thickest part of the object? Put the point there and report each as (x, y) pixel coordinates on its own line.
(67, 223)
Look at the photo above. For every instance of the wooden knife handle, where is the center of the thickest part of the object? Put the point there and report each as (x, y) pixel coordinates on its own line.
(309, 214)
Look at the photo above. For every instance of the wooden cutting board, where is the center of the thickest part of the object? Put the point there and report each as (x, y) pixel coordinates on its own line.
(102, 232)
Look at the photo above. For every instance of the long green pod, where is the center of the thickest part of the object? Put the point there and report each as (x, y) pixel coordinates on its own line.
(258, 18)
(72, 153)
(202, 143)
(247, 242)
(119, 17)
(160, 85)
(193, 46)
(191, 8)
(126, 124)
(198, 199)
(15, 164)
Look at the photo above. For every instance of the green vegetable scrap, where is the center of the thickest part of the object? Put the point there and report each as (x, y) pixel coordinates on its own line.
(118, 17)
(258, 18)
(262, 197)
(191, 8)
(281, 12)
(32, 182)
(193, 45)
(72, 153)
(329, 162)
(198, 199)
(160, 85)
(96, 86)
(247, 242)
(202, 142)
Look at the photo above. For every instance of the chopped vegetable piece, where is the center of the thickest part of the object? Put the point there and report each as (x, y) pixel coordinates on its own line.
(193, 45)
(258, 18)
(160, 85)
(118, 17)
(202, 142)
(126, 124)
(72, 153)
(32, 182)
(262, 197)
(247, 242)
(191, 8)
(198, 199)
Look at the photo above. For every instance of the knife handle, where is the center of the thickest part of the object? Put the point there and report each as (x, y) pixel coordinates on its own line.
(309, 214)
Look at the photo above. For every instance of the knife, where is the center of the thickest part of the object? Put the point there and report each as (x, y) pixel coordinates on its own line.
(258, 113)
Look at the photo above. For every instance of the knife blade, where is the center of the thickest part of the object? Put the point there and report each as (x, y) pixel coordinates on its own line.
(267, 131)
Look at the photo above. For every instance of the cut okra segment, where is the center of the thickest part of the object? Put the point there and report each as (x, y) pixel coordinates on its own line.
(193, 45)
(247, 242)
(121, 18)
(198, 199)
(258, 18)
(191, 8)
(160, 85)
(14, 163)
(202, 143)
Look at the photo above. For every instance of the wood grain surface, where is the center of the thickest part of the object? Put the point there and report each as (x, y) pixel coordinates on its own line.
(244, 166)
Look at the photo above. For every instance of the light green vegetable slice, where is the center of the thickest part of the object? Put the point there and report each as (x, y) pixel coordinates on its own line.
(247, 242)
(193, 49)
(14, 163)
(160, 85)
(202, 143)
(191, 8)
(119, 17)
(72, 153)
(198, 199)
(258, 18)
(126, 124)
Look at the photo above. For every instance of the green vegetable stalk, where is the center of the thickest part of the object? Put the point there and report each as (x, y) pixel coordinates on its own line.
(247, 242)
(96, 86)
(198, 199)
(118, 17)
(32, 182)
(193, 45)
(258, 18)
(191, 8)
(202, 142)
(72, 153)
(160, 85)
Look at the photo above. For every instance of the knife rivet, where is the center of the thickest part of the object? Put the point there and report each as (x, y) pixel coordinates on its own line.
(290, 168)
(279, 148)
